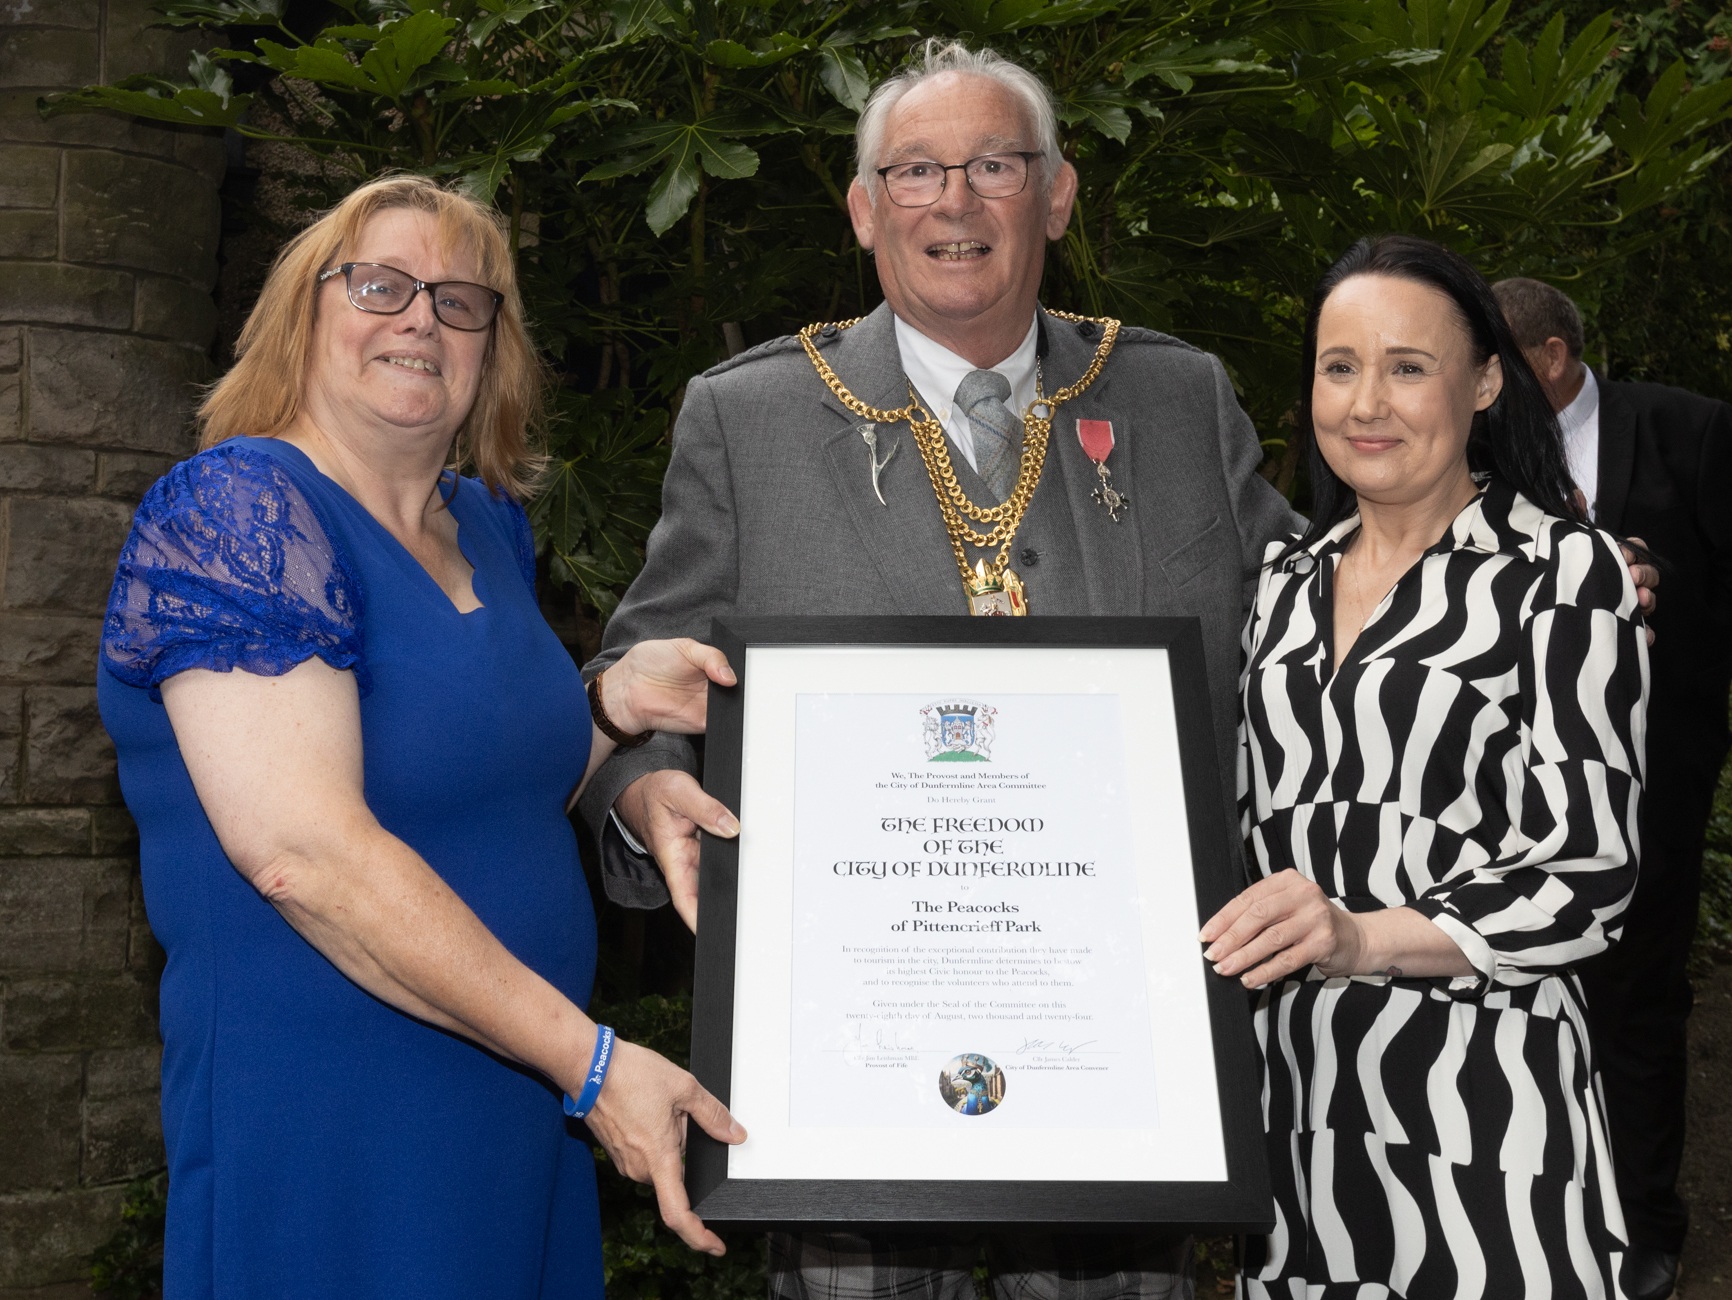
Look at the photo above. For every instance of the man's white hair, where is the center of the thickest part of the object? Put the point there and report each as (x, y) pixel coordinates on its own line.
(939, 56)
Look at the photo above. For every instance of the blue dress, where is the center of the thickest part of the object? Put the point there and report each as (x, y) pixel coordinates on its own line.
(321, 1143)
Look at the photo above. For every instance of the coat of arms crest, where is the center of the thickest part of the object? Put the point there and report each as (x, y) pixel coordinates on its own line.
(958, 731)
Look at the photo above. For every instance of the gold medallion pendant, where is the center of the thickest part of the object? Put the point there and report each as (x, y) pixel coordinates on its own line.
(993, 588)
(995, 595)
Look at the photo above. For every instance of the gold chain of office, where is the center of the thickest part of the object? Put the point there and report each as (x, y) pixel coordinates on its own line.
(953, 504)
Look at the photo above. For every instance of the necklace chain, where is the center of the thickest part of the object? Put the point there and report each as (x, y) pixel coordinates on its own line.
(958, 512)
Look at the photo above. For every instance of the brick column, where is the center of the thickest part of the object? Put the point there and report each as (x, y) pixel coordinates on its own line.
(108, 234)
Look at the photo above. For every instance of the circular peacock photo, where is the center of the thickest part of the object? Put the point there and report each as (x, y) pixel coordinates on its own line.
(971, 1084)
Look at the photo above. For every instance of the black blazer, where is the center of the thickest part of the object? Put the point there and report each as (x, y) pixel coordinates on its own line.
(1666, 476)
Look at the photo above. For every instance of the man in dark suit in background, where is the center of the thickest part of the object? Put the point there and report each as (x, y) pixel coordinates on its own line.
(1652, 462)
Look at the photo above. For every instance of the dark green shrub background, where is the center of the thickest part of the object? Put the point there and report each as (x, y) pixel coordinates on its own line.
(674, 172)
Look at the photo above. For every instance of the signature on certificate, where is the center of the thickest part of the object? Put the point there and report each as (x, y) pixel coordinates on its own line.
(1053, 1045)
(884, 1039)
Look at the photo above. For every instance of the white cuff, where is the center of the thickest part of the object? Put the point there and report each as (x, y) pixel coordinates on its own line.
(1473, 946)
(630, 839)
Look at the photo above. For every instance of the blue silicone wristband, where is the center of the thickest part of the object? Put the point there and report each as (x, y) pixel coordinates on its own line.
(585, 1101)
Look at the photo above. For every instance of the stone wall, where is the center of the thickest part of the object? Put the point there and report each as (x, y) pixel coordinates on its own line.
(108, 235)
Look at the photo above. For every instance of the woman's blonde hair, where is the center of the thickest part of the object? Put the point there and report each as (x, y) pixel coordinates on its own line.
(263, 391)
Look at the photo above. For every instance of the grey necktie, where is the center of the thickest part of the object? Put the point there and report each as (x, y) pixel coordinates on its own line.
(997, 431)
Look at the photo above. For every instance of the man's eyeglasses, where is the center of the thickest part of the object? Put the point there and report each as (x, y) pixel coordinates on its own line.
(992, 176)
(385, 291)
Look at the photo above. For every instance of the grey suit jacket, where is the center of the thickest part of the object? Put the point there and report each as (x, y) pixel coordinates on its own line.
(768, 508)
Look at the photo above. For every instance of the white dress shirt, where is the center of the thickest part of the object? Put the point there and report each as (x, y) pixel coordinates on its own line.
(1580, 421)
(936, 372)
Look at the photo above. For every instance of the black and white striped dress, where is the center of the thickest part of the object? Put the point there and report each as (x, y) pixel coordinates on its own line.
(1477, 757)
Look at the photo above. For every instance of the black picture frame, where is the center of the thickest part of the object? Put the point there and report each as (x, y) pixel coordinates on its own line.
(1240, 1203)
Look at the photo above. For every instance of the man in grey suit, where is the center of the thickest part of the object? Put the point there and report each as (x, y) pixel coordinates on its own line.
(771, 504)
(780, 499)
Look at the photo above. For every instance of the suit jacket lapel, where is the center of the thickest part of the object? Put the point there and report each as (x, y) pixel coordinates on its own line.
(1616, 457)
(1110, 554)
(903, 538)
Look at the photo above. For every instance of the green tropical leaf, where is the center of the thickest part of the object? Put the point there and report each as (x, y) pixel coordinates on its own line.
(510, 13)
(640, 20)
(1101, 108)
(732, 54)
(844, 76)
(672, 194)
(210, 76)
(627, 165)
(483, 181)
(404, 48)
(325, 63)
(1660, 180)
(582, 108)
(225, 13)
(1059, 13)
(1410, 58)
(156, 99)
(988, 17)
(712, 138)
(400, 49)
(460, 91)
(872, 35)
(728, 160)
(1539, 83)
(1179, 63)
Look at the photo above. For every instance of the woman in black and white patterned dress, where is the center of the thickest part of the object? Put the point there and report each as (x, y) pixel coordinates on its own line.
(1441, 754)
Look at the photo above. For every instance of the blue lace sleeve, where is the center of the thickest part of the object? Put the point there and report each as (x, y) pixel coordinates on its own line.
(229, 566)
(525, 541)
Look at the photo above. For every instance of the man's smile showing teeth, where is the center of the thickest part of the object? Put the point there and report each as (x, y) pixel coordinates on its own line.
(413, 363)
(959, 251)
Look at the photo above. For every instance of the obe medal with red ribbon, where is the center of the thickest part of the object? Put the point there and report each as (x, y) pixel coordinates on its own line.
(1096, 437)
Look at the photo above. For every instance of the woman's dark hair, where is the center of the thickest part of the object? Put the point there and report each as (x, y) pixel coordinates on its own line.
(1516, 438)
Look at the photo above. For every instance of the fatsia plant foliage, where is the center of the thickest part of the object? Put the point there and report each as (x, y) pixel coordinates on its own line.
(675, 171)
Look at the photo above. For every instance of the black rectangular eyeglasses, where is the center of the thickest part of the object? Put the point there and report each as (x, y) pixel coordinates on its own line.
(918, 184)
(386, 291)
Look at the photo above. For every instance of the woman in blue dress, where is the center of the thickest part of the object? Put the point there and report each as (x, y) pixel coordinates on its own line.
(349, 740)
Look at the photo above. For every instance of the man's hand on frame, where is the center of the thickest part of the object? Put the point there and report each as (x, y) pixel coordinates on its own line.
(665, 811)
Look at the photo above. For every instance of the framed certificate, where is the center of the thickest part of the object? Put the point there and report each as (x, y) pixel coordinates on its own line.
(949, 972)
